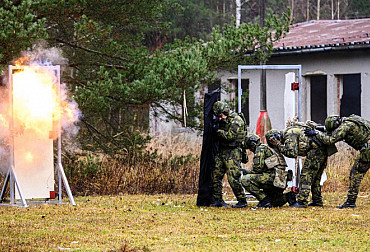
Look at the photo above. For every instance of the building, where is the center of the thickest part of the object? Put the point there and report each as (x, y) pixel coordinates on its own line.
(335, 60)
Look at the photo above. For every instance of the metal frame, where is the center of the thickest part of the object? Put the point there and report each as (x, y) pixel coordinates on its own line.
(274, 67)
(11, 177)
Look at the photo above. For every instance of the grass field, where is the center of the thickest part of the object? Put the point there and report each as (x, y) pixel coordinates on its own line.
(175, 223)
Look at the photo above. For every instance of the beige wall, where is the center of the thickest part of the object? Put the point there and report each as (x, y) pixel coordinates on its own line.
(331, 64)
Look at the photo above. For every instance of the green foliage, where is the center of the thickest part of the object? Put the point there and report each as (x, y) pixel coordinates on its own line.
(115, 75)
(19, 28)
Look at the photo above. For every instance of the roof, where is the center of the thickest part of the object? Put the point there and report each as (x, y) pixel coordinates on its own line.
(325, 35)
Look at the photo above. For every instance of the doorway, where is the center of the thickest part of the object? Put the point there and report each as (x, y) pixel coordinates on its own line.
(319, 98)
(350, 102)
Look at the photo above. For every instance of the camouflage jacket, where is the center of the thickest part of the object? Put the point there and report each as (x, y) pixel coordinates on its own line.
(262, 160)
(295, 142)
(354, 130)
(232, 131)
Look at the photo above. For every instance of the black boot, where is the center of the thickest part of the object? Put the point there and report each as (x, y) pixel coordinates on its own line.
(219, 203)
(316, 203)
(298, 205)
(241, 203)
(347, 204)
(291, 197)
(265, 203)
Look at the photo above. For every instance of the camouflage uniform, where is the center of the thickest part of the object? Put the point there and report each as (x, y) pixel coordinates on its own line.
(263, 174)
(296, 143)
(228, 159)
(355, 131)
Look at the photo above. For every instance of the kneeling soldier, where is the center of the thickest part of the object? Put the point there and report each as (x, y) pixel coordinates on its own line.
(268, 173)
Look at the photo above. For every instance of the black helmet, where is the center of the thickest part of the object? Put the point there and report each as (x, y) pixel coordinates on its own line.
(271, 134)
(332, 122)
(252, 141)
(220, 107)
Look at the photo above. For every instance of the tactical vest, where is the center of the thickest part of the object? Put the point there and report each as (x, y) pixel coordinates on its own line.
(359, 138)
(276, 160)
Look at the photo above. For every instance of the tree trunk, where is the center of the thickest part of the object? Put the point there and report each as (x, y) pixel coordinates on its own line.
(238, 8)
(318, 10)
(308, 10)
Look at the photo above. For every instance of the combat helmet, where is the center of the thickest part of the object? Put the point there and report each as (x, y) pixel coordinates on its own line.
(220, 107)
(252, 141)
(332, 122)
(273, 134)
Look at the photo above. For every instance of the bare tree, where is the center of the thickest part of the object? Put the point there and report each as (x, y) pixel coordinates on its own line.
(238, 8)
(318, 10)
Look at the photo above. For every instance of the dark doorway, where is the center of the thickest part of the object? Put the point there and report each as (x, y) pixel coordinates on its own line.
(245, 99)
(318, 99)
(350, 102)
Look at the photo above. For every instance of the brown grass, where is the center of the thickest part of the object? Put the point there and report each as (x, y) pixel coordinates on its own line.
(171, 165)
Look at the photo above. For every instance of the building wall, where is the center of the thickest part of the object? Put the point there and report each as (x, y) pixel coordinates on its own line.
(334, 65)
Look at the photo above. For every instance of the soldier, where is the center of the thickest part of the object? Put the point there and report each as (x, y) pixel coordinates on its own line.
(355, 131)
(231, 134)
(295, 143)
(268, 178)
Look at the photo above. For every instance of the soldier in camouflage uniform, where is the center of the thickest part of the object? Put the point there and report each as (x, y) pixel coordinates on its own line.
(231, 133)
(355, 131)
(268, 178)
(295, 143)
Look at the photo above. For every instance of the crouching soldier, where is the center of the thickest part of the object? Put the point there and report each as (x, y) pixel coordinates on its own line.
(268, 178)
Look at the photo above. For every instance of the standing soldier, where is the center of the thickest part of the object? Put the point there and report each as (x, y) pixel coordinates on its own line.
(295, 143)
(231, 134)
(268, 178)
(355, 131)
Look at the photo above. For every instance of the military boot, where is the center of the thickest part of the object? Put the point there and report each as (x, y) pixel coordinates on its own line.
(265, 203)
(316, 203)
(219, 203)
(291, 197)
(241, 203)
(347, 204)
(298, 205)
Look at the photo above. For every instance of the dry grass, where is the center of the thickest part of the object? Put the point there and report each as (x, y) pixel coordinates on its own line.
(173, 223)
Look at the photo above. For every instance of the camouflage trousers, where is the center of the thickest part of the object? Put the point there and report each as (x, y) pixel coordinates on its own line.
(261, 186)
(358, 171)
(310, 177)
(228, 161)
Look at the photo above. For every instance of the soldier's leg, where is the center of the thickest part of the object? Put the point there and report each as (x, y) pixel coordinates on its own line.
(233, 163)
(217, 176)
(357, 173)
(276, 196)
(253, 183)
(316, 187)
(309, 170)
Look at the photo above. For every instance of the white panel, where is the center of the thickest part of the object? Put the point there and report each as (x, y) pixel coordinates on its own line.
(33, 160)
(290, 113)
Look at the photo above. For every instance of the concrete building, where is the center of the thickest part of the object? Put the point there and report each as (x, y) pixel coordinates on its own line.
(335, 60)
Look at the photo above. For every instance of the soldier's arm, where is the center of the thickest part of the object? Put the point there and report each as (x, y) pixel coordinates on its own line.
(231, 133)
(338, 135)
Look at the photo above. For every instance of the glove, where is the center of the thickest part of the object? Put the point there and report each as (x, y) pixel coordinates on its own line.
(215, 126)
(275, 142)
(310, 132)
